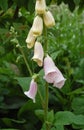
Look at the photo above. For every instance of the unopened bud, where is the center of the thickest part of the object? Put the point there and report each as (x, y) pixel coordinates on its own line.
(40, 6)
(48, 19)
(30, 40)
(37, 27)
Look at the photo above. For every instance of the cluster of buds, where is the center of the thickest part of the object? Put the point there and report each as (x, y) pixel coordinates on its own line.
(52, 73)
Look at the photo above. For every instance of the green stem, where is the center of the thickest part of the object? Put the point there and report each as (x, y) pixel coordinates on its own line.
(46, 86)
(46, 105)
(26, 62)
(42, 101)
(46, 43)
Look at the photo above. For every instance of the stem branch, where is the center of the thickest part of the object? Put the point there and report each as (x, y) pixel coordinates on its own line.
(26, 62)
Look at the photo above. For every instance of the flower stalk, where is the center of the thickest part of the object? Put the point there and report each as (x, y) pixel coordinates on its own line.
(46, 85)
(26, 62)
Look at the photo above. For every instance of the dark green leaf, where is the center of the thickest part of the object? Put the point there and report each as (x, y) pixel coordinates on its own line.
(24, 82)
(50, 117)
(78, 105)
(4, 4)
(61, 118)
(40, 114)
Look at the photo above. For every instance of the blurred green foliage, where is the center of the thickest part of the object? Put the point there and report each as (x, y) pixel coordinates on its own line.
(66, 47)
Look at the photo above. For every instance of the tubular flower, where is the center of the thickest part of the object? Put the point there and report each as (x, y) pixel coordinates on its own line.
(52, 73)
(40, 6)
(30, 40)
(59, 80)
(32, 90)
(48, 19)
(38, 53)
(37, 26)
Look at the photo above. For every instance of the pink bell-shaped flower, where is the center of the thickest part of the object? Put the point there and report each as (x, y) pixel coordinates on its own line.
(49, 69)
(59, 81)
(32, 90)
(38, 53)
(52, 73)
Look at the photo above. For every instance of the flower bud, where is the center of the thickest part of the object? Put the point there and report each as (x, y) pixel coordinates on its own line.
(32, 90)
(38, 53)
(30, 40)
(40, 6)
(37, 27)
(48, 19)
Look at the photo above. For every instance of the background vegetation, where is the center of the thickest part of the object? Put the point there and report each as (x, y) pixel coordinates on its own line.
(66, 47)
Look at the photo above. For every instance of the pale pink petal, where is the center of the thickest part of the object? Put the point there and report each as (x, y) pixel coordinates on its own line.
(49, 69)
(50, 77)
(59, 80)
(32, 90)
(38, 53)
(52, 73)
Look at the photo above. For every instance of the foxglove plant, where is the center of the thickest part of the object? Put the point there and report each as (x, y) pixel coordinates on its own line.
(43, 20)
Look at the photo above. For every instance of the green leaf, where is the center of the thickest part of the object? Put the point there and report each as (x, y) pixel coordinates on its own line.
(53, 128)
(59, 127)
(67, 118)
(54, 55)
(79, 120)
(79, 127)
(29, 106)
(31, 6)
(40, 114)
(48, 2)
(78, 105)
(77, 2)
(24, 82)
(4, 4)
(9, 121)
(50, 117)
(61, 118)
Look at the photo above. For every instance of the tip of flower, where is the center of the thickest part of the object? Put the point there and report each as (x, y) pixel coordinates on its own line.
(39, 62)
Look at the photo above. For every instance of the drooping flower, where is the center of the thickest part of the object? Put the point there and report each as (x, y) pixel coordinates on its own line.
(38, 53)
(37, 26)
(30, 40)
(32, 90)
(48, 19)
(52, 73)
(59, 81)
(40, 6)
